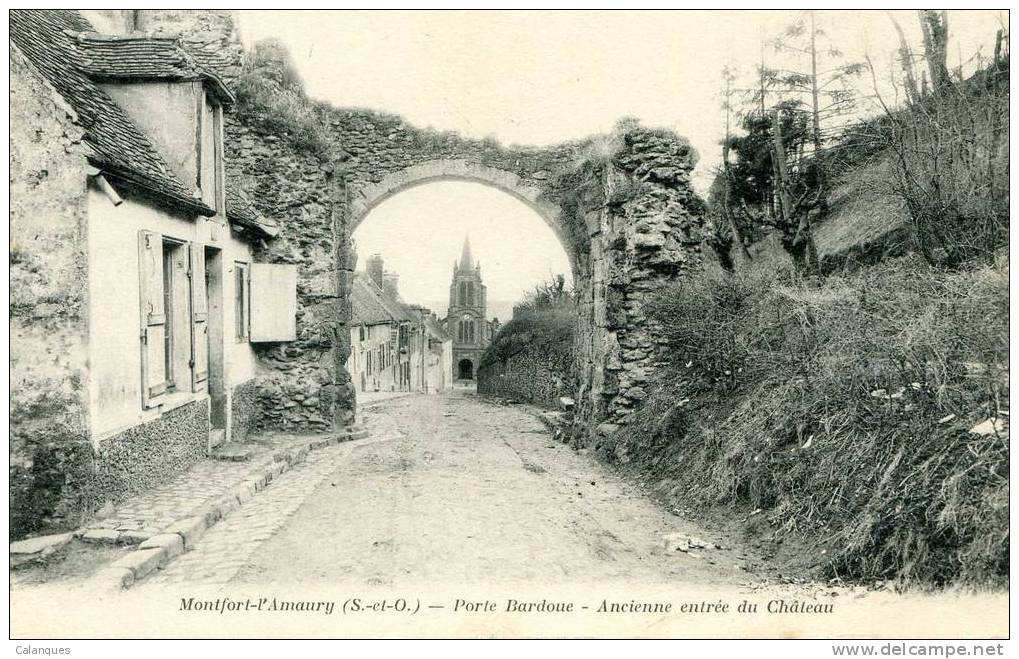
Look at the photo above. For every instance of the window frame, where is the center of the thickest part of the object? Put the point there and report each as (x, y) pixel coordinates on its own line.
(242, 301)
(172, 250)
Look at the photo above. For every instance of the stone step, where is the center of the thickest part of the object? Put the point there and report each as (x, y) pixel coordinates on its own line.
(234, 453)
(36, 549)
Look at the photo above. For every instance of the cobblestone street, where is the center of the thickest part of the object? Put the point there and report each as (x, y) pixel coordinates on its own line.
(453, 489)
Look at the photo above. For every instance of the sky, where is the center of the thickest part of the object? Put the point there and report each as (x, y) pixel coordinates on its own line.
(538, 78)
(515, 247)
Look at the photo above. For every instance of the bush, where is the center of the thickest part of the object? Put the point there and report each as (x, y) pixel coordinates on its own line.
(531, 357)
(270, 95)
(843, 411)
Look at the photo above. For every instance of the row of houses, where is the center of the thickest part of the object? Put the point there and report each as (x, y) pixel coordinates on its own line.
(395, 346)
(137, 304)
(135, 299)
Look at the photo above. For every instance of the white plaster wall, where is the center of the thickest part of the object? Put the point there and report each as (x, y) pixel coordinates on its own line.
(377, 335)
(114, 320)
(167, 112)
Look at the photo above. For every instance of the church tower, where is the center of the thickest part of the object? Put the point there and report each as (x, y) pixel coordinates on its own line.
(465, 320)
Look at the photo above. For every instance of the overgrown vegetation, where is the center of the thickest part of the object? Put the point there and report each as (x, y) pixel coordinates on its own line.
(865, 413)
(844, 412)
(270, 95)
(944, 141)
(949, 154)
(531, 356)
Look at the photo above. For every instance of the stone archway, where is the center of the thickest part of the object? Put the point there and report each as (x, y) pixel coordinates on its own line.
(621, 204)
(369, 195)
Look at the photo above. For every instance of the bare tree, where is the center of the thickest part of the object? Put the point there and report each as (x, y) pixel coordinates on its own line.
(946, 158)
(935, 43)
(729, 78)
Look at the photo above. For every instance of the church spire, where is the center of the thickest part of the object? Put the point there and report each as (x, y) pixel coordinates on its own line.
(466, 262)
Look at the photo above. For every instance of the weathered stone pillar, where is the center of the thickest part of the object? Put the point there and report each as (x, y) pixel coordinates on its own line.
(646, 232)
(346, 262)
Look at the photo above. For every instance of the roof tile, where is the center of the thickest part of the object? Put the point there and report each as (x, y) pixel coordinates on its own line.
(119, 146)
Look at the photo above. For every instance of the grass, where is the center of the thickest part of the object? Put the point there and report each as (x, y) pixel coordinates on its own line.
(842, 410)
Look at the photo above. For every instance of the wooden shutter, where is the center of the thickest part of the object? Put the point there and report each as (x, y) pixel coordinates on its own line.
(199, 319)
(153, 317)
(273, 302)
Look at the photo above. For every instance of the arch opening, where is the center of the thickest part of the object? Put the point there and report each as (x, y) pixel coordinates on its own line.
(468, 319)
(367, 197)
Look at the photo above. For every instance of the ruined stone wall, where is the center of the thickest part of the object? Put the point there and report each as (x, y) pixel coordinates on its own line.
(645, 226)
(621, 206)
(50, 450)
(655, 230)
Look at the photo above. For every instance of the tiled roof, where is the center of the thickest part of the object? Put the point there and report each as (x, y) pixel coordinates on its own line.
(143, 58)
(435, 328)
(365, 306)
(47, 37)
(371, 306)
(240, 211)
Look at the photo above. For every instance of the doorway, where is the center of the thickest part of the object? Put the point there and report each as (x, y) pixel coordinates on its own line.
(217, 380)
(466, 369)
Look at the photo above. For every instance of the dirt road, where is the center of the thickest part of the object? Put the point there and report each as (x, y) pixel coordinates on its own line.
(455, 490)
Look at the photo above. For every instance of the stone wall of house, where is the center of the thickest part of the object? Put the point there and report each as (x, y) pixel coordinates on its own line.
(245, 411)
(145, 455)
(50, 450)
(299, 385)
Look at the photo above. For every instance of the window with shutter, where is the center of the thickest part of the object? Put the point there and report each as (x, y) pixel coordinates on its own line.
(199, 319)
(152, 273)
(241, 300)
(273, 302)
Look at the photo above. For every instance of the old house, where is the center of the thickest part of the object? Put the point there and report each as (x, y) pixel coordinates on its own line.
(394, 346)
(434, 360)
(378, 331)
(135, 295)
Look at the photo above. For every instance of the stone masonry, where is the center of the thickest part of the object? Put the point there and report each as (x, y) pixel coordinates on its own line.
(621, 206)
(51, 457)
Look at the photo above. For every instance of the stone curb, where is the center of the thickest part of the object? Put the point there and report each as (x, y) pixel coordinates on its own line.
(158, 550)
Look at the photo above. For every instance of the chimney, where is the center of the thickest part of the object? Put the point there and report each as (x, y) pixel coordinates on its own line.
(375, 269)
(390, 283)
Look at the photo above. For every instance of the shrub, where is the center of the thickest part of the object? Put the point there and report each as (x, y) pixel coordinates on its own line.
(531, 357)
(270, 95)
(843, 411)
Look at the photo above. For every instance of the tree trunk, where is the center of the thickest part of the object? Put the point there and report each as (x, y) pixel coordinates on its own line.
(798, 238)
(814, 92)
(935, 43)
(906, 59)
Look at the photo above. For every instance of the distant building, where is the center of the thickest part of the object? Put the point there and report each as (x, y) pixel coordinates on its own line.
(393, 346)
(466, 319)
